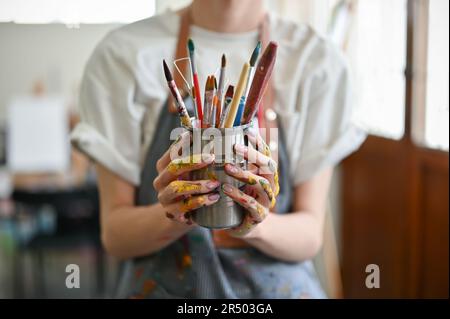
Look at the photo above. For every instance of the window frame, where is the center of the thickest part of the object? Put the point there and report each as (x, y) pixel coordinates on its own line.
(417, 73)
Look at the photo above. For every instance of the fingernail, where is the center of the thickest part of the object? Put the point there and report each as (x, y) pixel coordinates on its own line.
(231, 168)
(213, 197)
(207, 158)
(227, 188)
(212, 184)
(240, 148)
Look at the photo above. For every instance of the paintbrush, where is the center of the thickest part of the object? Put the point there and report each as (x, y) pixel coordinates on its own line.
(221, 87)
(227, 100)
(181, 107)
(252, 63)
(215, 114)
(196, 85)
(262, 75)
(229, 121)
(209, 116)
(216, 104)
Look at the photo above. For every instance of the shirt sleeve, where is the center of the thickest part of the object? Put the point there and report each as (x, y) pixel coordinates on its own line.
(329, 133)
(110, 128)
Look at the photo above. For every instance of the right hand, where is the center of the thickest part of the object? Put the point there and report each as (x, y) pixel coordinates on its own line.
(180, 196)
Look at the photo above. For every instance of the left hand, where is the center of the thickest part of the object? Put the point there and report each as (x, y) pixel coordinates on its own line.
(259, 195)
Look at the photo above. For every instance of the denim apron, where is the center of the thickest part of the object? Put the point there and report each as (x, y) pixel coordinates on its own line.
(193, 267)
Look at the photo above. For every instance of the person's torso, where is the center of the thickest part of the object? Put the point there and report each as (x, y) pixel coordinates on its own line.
(145, 43)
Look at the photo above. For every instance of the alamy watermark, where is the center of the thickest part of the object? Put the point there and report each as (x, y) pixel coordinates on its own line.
(73, 279)
(373, 277)
(193, 146)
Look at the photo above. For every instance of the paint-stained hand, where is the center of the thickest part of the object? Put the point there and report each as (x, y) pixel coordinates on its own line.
(261, 189)
(178, 196)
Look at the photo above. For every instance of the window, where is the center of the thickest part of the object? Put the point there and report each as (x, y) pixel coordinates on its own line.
(75, 11)
(377, 52)
(437, 76)
(431, 74)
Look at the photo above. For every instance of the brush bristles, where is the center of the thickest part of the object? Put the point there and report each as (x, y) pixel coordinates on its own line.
(230, 91)
(167, 72)
(210, 83)
(191, 45)
(255, 54)
(224, 61)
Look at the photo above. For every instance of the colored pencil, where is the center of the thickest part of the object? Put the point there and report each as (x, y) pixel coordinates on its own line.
(182, 111)
(196, 86)
(233, 108)
(262, 75)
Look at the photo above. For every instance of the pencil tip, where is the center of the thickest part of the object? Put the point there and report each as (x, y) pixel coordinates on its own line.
(167, 73)
(224, 61)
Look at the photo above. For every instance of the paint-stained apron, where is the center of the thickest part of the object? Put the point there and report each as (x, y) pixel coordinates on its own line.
(194, 267)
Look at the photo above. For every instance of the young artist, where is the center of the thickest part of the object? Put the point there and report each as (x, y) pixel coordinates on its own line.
(126, 125)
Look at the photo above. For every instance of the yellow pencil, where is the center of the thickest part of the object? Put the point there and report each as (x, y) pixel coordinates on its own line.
(237, 96)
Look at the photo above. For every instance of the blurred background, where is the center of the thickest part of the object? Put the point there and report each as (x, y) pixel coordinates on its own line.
(388, 202)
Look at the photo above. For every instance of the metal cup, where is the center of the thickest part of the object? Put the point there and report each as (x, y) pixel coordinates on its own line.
(225, 213)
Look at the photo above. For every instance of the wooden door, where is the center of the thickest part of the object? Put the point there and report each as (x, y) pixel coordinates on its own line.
(395, 205)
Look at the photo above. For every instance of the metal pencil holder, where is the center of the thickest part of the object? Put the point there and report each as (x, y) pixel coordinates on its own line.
(225, 213)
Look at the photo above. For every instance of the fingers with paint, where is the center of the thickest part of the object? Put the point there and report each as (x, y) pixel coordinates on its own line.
(267, 167)
(180, 197)
(259, 183)
(180, 211)
(177, 167)
(256, 211)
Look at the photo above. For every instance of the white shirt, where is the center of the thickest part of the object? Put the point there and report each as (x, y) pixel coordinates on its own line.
(124, 89)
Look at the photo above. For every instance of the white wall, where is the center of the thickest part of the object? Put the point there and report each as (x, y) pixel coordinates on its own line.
(50, 52)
